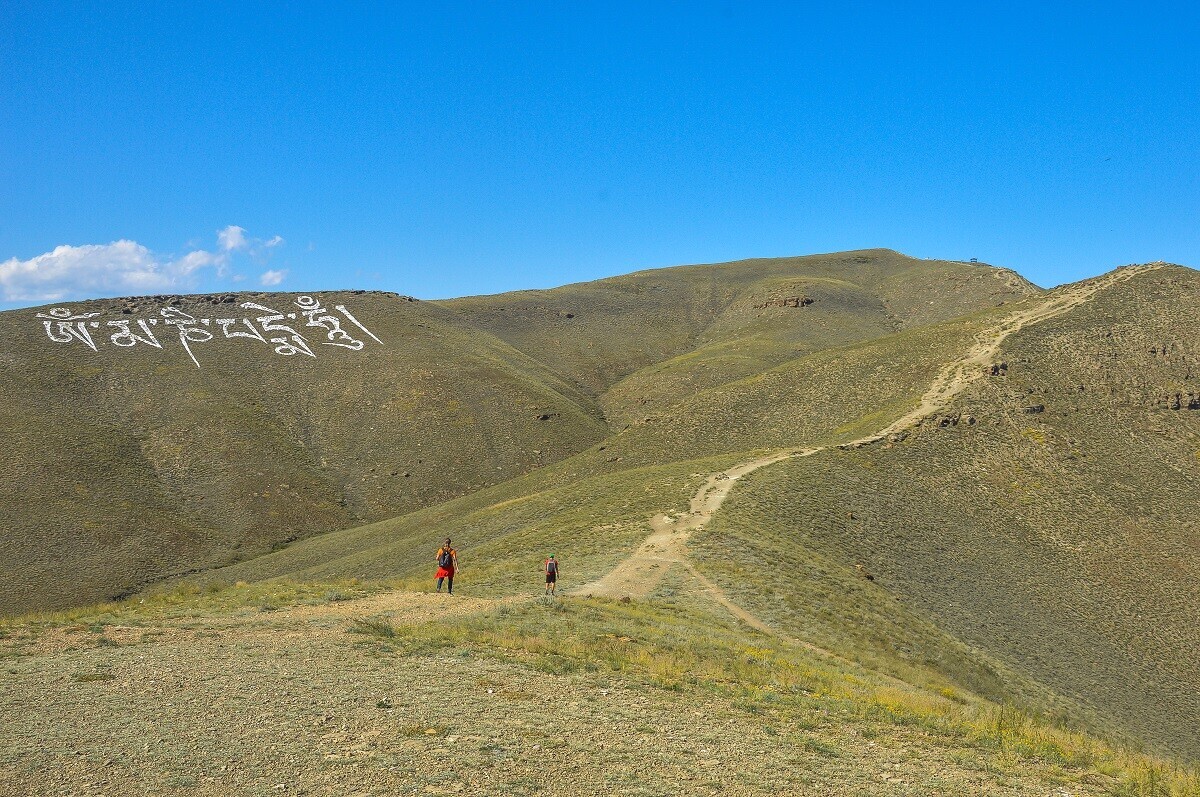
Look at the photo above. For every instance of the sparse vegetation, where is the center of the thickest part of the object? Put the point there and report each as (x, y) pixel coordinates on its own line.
(85, 677)
(135, 467)
(994, 601)
(1043, 571)
(665, 661)
(373, 627)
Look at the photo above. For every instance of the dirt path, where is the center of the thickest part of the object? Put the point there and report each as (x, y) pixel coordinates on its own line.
(640, 573)
(952, 379)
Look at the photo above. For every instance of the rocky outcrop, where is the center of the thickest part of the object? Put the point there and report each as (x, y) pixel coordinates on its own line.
(1181, 401)
(787, 301)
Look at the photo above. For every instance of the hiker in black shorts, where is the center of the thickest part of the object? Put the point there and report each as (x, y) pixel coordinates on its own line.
(551, 575)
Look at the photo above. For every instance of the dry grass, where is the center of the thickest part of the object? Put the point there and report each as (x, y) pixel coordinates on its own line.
(1040, 556)
(671, 657)
(676, 649)
(192, 600)
(987, 637)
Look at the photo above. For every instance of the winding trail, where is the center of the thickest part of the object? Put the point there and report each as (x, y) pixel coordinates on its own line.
(641, 572)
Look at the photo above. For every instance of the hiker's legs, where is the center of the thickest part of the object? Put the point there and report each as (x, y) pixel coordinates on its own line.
(439, 584)
(450, 584)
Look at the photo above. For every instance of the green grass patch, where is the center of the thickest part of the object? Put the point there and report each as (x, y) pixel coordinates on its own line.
(190, 599)
(373, 627)
(87, 677)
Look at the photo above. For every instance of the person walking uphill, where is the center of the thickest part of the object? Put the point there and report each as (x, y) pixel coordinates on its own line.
(551, 576)
(447, 562)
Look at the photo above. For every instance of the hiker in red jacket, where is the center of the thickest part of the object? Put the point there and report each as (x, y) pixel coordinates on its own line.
(447, 562)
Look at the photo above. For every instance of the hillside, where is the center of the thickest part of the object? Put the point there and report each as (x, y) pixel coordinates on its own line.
(161, 436)
(1009, 550)
(128, 464)
(728, 320)
(951, 556)
(1047, 516)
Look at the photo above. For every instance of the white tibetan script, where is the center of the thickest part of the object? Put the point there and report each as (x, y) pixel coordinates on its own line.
(294, 331)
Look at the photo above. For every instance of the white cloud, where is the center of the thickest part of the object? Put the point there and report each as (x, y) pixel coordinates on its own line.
(198, 259)
(122, 268)
(118, 267)
(232, 238)
(273, 277)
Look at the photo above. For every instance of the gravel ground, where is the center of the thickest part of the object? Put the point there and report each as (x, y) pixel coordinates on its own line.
(290, 703)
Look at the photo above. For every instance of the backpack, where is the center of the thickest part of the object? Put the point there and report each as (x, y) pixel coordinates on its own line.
(552, 566)
(446, 559)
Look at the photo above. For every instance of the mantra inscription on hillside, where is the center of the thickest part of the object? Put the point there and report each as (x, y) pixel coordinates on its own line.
(298, 330)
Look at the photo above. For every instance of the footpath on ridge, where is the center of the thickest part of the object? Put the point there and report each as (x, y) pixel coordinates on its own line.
(641, 572)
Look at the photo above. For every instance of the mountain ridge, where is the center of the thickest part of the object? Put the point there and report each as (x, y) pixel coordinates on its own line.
(209, 447)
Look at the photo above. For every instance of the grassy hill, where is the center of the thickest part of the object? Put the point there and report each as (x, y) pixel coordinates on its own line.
(598, 503)
(596, 334)
(934, 515)
(128, 465)
(1009, 549)
(1054, 528)
(138, 458)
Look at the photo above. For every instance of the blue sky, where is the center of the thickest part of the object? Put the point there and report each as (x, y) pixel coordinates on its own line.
(442, 149)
